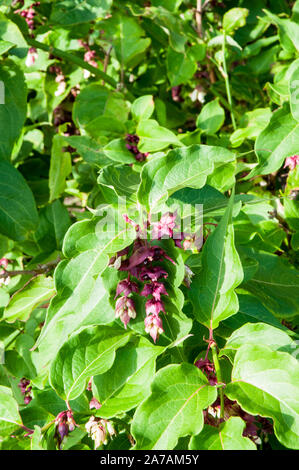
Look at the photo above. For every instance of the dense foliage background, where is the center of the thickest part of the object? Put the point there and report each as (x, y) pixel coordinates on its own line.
(110, 110)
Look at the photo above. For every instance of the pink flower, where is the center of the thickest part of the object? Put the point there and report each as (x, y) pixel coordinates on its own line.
(126, 287)
(292, 162)
(156, 289)
(125, 310)
(152, 273)
(153, 326)
(4, 262)
(65, 423)
(154, 306)
(31, 57)
(208, 368)
(164, 228)
(94, 403)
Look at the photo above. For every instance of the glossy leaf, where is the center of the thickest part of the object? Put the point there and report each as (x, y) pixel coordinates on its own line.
(174, 408)
(271, 377)
(89, 353)
(213, 290)
(18, 214)
(227, 437)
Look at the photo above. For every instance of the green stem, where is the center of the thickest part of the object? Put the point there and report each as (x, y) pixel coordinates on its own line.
(227, 86)
(219, 378)
(72, 58)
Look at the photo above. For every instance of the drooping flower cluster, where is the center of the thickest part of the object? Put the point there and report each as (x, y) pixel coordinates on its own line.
(143, 264)
(292, 162)
(29, 14)
(132, 141)
(255, 425)
(89, 57)
(65, 423)
(32, 56)
(208, 368)
(25, 389)
(60, 79)
(99, 430)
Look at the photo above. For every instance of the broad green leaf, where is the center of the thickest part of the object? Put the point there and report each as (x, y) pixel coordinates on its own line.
(180, 392)
(211, 117)
(108, 232)
(258, 333)
(26, 300)
(213, 289)
(121, 179)
(100, 111)
(266, 383)
(228, 436)
(128, 382)
(234, 19)
(154, 137)
(117, 151)
(275, 283)
(69, 12)
(180, 67)
(127, 36)
(88, 149)
(18, 214)
(293, 90)
(89, 353)
(276, 142)
(143, 107)
(13, 106)
(81, 297)
(288, 31)
(180, 168)
(9, 411)
(10, 32)
(60, 168)
(252, 124)
(5, 46)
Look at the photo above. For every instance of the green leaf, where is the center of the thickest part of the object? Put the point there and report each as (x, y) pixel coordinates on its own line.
(89, 353)
(228, 436)
(293, 90)
(276, 142)
(127, 38)
(128, 382)
(81, 297)
(213, 289)
(9, 411)
(143, 107)
(211, 117)
(13, 106)
(275, 283)
(26, 300)
(100, 111)
(180, 392)
(272, 379)
(258, 333)
(60, 167)
(69, 12)
(154, 137)
(11, 33)
(234, 19)
(121, 179)
(180, 168)
(117, 151)
(180, 67)
(18, 214)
